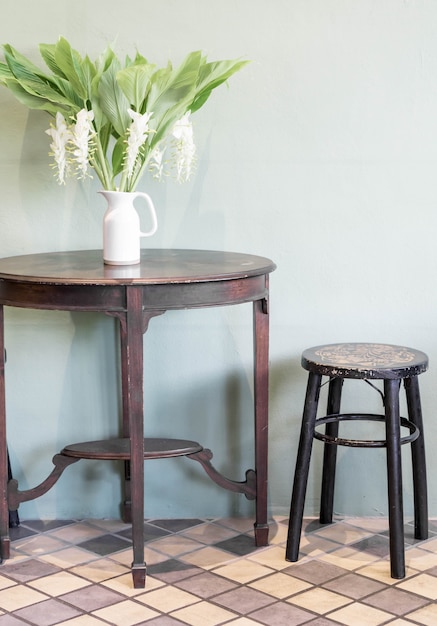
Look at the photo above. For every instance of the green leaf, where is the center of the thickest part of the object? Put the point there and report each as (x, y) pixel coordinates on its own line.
(47, 52)
(170, 86)
(33, 84)
(69, 95)
(118, 156)
(31, 101)
(23, 62)
(134, 81)
(69, 62)
(211, 76)
(112, 100)
(5, 73)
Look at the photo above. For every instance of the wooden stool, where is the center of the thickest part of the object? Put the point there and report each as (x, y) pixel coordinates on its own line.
(367, 361)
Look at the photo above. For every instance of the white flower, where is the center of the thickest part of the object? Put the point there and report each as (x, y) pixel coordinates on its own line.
(184, 147)
(156, 162)
(137, 135)
(82, 132)
(60, 135)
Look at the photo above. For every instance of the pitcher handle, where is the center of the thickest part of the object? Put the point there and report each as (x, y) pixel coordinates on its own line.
(147, 198)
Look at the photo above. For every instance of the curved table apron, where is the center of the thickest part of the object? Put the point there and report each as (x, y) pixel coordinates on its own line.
(164, 280)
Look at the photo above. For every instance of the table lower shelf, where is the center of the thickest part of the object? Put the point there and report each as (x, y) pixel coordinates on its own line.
(119, 449)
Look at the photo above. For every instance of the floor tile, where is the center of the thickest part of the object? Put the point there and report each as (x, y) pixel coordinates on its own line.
(315, 572)
(376, 545)
(77, 532)
(239, 524)
(243, 600)
(239, 545)
(176, 525)
(205, 585)
(419, 559)
(427, 615)
(207, 558)
(95, 597)
(126, 613)
(209, 572)
(380, 570)
(163, 620)
(151, 532)
(105, 544)
(313, 545)
(280, 614)
(280, 585)
(174, 545)
(167, 599)
(38, 544)
(358, 613)
(273, 557)
(354, 586)
(68, 557)
(401, 622)
(82, 620)
(243, 571)
(172, 570)
(27, 570)
(342, 533)
(210, 533)
(59, 583)
(100, 570)
(42, 526)
(422, 584)
(47, 613)
(18, 597)
(203, 614)
(319, 600)
(396, 601)
(348, 558)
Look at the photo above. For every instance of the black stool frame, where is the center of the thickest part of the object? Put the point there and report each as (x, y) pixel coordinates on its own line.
(392, 443)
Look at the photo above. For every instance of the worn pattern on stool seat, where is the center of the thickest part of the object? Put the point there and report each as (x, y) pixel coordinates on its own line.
(365, 360)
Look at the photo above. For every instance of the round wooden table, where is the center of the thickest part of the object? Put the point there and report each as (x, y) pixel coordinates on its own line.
(164, 280)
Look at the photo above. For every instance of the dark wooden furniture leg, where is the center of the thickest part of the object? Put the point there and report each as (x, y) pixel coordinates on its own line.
(133, 404)
(418, 459)
(330, 453)
(302, 466)
(261, 393)
(394, 478)
(14, 519)
(4, 509)
(124, 354)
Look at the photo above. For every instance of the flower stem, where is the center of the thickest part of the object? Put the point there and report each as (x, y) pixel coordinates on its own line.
(100, 164)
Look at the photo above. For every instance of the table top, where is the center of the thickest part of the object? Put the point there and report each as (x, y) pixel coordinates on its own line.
(157, 266)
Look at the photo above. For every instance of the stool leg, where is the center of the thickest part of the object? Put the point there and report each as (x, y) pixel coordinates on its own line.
(302, 467)
(418, 459)
(330, 453)
(394, 478)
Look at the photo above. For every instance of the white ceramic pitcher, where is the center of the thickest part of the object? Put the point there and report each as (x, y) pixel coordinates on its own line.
(121, 227)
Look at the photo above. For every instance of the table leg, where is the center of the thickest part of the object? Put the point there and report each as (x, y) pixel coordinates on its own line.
(133, 406)
(4, 511)
(261, 390)
(127, 497)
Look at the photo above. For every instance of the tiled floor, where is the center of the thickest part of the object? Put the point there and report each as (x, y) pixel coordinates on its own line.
(208, 572)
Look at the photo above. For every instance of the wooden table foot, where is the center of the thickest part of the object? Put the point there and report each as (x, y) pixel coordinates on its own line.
(139, 576)
(5, 548)
(261, 535)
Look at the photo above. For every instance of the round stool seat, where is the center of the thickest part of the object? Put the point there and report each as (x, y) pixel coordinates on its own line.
(365, 360)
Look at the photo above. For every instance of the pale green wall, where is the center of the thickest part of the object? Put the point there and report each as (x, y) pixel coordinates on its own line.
(321, 155)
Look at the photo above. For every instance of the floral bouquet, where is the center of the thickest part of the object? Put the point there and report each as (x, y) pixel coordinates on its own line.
(119, 119)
